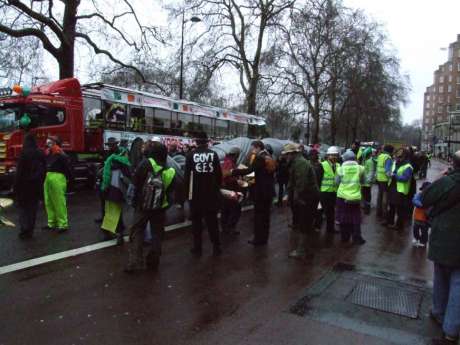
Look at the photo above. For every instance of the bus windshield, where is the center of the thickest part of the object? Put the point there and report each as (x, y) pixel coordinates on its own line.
(9, 115)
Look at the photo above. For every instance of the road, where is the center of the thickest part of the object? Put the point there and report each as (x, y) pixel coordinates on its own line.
(243, 297)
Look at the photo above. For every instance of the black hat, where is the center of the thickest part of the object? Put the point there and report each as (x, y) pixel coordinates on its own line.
(112, 141)
(202, 136)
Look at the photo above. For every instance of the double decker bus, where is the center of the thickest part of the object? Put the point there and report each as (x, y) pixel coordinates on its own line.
(85, 116)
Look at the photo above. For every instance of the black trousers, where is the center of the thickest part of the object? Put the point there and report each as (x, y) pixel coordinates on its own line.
(367, 198)
(137, 235)
(262, 209)
(328, 203)
(305, 213)
(27, 216)
(420, 231)
(382, 199)
(401, 213)
(230, 214)
(348, 231)
(210, 217)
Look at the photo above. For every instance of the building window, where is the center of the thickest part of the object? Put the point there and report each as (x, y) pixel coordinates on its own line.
(457, 106)
(458, 80)
(440, 109)
(450, 78)
(441, 79)
(449, 88)
(441, 89)
(427, 105)
(458, 93)
(458, 67)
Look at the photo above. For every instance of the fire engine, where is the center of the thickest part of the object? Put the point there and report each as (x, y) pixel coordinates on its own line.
(85, 116)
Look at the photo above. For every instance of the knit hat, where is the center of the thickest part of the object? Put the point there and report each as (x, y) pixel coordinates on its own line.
(349, 155)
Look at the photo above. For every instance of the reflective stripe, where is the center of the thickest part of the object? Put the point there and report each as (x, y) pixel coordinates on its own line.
(328, 181)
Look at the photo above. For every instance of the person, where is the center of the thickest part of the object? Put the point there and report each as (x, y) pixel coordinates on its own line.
(231, 207)
(369, 177)
(58, 174)
(357, 150)
(350, 176)
(264, 167)
(28, 184)
(420, 224)
(115, 180)
(203, 179)
(329, 187)
(398, 191)
(423, 165)
(443, 196)
(112, 147)
(303, 194)
(282, 177)
(154, 164)
(173, 151)
(319, 172)
(384, 165)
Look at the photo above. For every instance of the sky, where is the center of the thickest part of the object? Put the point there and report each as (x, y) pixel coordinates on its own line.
(417, 30)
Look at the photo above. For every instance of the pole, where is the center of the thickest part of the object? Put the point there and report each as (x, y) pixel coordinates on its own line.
(181, 78)
(308, 128)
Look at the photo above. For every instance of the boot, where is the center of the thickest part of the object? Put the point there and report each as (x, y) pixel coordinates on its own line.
(300, 252)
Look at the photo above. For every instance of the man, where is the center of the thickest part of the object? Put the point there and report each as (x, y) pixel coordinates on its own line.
(58, 174)
(384, 171)
(329, 187)
(203, 179)
(264, 168)
(282, 177)
(369, 176)
(231, 207)
(112, 147)
(319, 172)
(303, 194)
(151, 166)
(357, 150)
(444, 198)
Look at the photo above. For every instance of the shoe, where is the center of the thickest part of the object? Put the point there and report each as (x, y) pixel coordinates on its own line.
(46, 227)
(443, 341)
(120, 240)
(255, 243)
(98, 220)
(422, 245)
(435, 319)
(62, 230)
(415, 242)
(359, 241)
(297, 254)
(196, 251)
(217, 251)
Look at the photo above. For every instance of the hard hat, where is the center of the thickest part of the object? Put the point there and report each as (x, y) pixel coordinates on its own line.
(156, 139)
(333, 150)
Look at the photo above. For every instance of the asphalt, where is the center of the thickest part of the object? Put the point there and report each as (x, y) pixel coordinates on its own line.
(243, 297)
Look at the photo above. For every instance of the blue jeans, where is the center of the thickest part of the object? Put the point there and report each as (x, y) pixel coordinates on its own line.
(446, 298)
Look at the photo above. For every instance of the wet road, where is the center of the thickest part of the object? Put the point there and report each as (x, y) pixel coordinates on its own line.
(242, 297)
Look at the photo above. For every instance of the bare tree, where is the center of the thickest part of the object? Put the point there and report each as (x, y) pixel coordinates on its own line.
(59, 25)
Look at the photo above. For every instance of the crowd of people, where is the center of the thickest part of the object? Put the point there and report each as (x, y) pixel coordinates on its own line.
(337, 188)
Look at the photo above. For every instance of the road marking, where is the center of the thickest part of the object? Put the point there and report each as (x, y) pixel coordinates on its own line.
(83, 250)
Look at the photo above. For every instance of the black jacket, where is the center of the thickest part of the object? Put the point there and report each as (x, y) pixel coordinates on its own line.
(30, 174)
(265, 181)
(59, 162)
(202, 167)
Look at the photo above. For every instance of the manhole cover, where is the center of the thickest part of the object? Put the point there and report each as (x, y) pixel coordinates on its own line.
(388, 299)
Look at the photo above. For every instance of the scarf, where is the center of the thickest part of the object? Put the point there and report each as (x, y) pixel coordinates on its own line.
(119, 157)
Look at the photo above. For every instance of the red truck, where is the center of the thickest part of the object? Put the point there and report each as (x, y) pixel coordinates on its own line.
(85, 116)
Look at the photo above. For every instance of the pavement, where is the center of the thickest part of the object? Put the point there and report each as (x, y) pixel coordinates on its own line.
(243, 297)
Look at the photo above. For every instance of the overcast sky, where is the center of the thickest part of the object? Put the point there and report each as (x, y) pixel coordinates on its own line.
(418, 29)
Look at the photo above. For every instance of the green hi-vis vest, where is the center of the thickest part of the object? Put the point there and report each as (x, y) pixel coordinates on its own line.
(328, 181)
(167, 176)
(368, 172)
(381, 160)
(401, 187)
(350, 182)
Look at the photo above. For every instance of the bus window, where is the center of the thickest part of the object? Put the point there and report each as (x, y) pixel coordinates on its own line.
(162, 118)
(206, 124)
(136, 119)
(43, 115)
(115, 115)
(221, 128)
(92, 112)
(238, 129)
(149, 119)
(186, 121)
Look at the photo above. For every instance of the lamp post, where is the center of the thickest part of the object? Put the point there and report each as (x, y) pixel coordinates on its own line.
(181, 78)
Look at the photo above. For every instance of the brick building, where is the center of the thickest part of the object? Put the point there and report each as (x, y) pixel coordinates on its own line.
(441, 102)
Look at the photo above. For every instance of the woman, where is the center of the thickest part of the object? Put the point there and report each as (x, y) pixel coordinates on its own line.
(350, 177)
(399, 191)
(115, 181)
(28, 185)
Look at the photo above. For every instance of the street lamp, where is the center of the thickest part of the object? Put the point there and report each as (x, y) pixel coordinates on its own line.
(181, 78)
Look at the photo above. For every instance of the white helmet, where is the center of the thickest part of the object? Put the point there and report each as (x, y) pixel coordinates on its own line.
(155, 139)
(333, 150)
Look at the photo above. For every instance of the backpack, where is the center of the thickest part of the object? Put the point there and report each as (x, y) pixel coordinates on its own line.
(153, 191)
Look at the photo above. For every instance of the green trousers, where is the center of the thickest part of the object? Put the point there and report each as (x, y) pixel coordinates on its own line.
(55, 200)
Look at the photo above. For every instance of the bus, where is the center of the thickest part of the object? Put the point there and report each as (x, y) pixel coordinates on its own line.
(85, 116)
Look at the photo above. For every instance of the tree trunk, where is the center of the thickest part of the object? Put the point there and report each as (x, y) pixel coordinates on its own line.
(251, 97)
(67, 50)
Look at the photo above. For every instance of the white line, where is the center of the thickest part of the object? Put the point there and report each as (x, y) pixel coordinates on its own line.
(83, 250)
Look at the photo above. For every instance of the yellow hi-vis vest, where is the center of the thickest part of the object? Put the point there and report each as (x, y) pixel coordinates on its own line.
(350, 182)
(402, 187)
(381, 160)
(328, 181)
(167, 176)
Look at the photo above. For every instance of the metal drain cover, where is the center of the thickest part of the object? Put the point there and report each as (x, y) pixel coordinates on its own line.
(388, 299)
